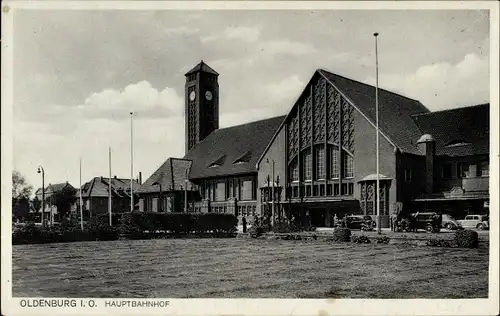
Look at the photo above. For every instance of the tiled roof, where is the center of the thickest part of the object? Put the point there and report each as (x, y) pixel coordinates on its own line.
(232, 150)
(171, 175)
(458, 132)
(53, 188)
(98, 187)
(202, 67)
(395, 111)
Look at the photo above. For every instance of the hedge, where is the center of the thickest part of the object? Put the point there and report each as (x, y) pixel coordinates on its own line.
(360, 239)
(130, 225)
(138, 223)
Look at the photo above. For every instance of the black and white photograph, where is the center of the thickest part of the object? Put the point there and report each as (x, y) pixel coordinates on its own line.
(338, 153)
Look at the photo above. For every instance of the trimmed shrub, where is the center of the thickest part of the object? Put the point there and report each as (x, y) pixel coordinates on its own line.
(438, 243)
(341, 234)
(360, 240)
(383, 240)
(466, 239)
(130, 225)
(256, 231)
(282, 225)
(99, 229)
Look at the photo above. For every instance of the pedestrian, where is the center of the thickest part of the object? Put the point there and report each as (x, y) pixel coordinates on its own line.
(244, 221)
(393, 221)
(335, 220)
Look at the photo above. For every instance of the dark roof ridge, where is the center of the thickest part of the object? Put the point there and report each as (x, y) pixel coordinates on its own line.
(453, 109)
(235, 126)
(252, 122)
(357, 81)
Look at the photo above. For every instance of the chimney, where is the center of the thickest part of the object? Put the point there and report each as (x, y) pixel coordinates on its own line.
(140, 177)
(114, 177)
(427, 146)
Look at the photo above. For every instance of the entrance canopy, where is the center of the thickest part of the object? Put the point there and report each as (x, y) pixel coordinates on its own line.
(373, 177)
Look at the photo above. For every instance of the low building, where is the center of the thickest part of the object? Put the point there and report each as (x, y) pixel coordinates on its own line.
(95, 196)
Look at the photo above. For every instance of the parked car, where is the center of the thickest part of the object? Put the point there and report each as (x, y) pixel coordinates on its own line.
(475, 221)
(429, 221)
(449, 222)
(363, 222)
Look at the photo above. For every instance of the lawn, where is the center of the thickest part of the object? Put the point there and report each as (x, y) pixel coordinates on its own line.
(230, 268)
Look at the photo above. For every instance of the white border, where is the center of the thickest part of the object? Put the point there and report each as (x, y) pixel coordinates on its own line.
(321, 307)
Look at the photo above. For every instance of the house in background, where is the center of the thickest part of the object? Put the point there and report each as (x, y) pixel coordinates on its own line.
(50, 208)
(95, 195)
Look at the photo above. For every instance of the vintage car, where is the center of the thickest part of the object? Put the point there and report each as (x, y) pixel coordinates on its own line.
(363, 222)
(475, 221)
(428, 221)
(449, 222)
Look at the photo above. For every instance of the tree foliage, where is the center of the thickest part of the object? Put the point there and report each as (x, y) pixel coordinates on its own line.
(21, 191)
(63, 199)
(20, 187)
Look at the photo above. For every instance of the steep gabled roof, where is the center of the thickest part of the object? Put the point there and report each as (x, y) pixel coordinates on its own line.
(232, 150)
(171, 175)
(99, 186)
(53, 188)
(458, 132)
(395, 111)
(202, 67)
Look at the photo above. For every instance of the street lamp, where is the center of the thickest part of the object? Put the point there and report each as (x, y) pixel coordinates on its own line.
(185, 195)
(272, 194)
(132, 208)
(161, 201)
(40, 170)
(379, 228)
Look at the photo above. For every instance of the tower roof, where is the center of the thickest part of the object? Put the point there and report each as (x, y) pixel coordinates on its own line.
(202, 67)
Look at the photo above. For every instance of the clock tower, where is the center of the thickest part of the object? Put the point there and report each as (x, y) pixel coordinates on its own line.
(202, 104)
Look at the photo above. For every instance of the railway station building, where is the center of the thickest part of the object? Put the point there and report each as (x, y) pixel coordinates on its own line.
(320, 158)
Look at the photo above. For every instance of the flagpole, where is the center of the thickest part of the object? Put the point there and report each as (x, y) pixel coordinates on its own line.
(81, 200)
(379, 228)
(131, 165)
(109, 190)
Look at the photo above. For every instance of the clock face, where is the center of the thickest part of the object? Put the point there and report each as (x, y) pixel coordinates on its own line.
(192, 96)
(208, 95)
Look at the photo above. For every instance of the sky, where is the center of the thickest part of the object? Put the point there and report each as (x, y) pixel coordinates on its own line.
(78, 74)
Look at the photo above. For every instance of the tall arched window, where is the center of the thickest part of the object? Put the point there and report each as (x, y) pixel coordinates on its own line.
(307, 156)
(320, 163)
(334, 162)
(348, 165)
(294, 171)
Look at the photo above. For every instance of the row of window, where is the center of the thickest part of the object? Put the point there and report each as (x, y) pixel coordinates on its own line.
(244, 189)
(326, 164)
(165, 204)
(246, 210)
(466, 170)
(319, 189)
(218, 209)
